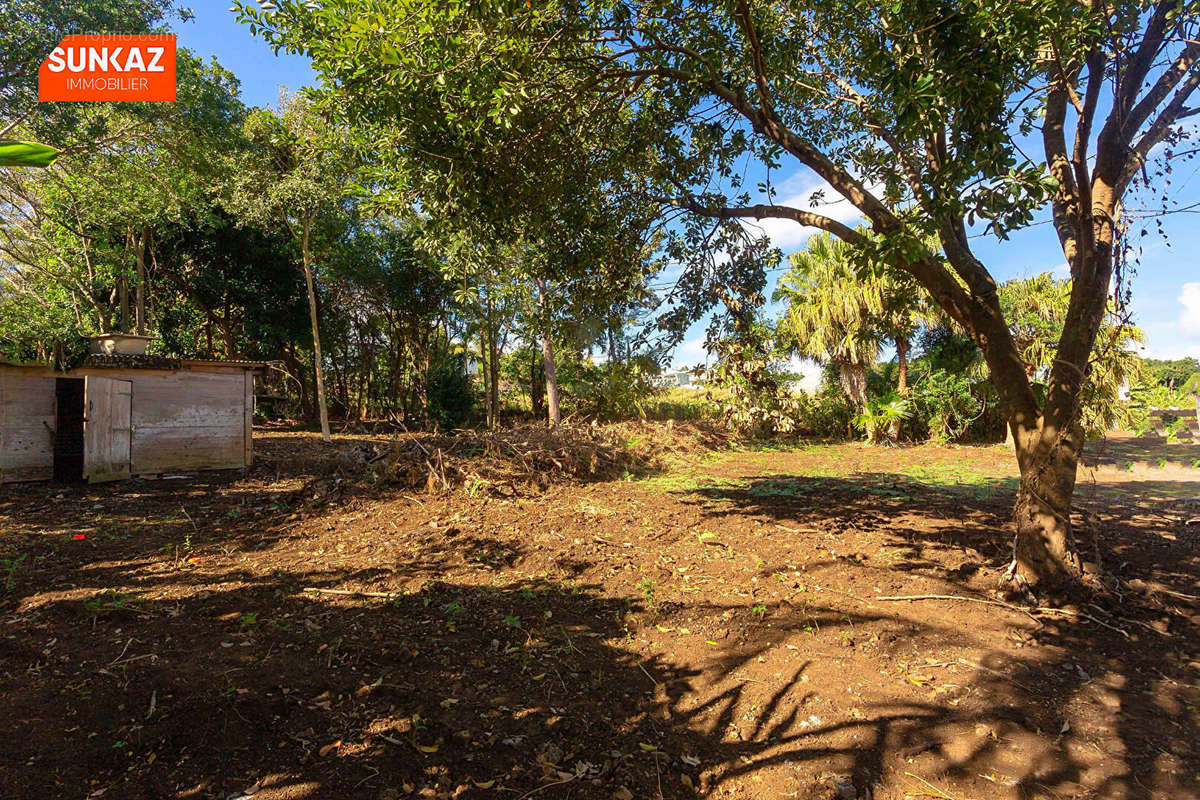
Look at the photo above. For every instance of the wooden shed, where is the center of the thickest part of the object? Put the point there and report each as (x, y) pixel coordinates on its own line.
(122, 415)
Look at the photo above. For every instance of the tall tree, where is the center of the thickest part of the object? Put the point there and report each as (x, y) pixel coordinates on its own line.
(298, 177)
(841, 312)
(79, 238)
(30, 31)
(830, 314)
(442, 142)
(911, 112)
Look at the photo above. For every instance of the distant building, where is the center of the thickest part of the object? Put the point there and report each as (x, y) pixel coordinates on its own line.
(672, 378)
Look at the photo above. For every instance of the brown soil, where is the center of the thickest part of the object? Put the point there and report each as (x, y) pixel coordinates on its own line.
(715, 630)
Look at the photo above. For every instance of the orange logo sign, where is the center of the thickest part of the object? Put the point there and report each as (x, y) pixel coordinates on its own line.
(109, 68)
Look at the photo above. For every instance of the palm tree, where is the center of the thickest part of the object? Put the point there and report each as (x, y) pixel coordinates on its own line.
(841, 312)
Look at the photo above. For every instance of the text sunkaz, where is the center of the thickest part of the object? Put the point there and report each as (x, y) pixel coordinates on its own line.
(104, 59)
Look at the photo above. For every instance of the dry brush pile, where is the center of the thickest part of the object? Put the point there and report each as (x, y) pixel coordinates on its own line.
(533, 457)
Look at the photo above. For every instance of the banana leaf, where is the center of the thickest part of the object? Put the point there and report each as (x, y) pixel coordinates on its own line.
(26, 154)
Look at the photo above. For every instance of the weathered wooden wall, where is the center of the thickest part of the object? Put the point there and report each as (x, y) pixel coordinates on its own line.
(182, 420)
(187, 421)
(26, 426)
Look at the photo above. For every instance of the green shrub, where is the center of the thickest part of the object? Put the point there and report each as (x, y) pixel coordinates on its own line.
(449, 394)
(883, 417)
(944, 405)
(682, 403)
(825, 415)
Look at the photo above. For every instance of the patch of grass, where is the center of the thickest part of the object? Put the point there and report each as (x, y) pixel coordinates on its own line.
(107, 602)
(690, 481)
(647, 588)
(956, 477)
(779, 487)
(783, 446)
(8, 572)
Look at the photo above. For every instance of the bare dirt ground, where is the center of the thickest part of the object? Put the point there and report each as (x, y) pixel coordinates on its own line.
(716, 630)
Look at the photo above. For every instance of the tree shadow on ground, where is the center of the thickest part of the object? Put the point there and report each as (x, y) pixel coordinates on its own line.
(1130, 656)
(134, 671)
(1120, 452)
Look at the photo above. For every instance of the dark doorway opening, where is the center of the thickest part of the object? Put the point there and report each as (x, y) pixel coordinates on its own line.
(68, 430)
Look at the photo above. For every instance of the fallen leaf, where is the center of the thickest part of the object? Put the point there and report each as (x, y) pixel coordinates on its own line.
(329, 748)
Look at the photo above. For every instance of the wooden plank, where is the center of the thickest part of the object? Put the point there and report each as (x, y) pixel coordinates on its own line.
(168, 449)
(249, 431)
(27, 421)
(186, 399)
(106, 429)
(187, 421)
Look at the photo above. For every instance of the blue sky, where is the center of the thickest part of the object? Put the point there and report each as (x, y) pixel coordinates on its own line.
(1166, 289)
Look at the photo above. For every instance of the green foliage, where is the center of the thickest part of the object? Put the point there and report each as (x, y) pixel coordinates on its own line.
(451, 399)
(682, 403)
(882, 418)
(1149, 396)
(749, 382)
(26, 154)
(827, 415)
(33, 28)
(72, 236)
(1037, 310)
(609, 391)
(842, 307)
(1180, 373)
(946, 404)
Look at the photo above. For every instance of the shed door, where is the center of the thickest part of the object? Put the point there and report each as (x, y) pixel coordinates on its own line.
(106, 429)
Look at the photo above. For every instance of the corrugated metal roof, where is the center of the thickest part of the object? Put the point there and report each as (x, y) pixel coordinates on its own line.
(130, 361)
(220, 363)
(142, 361)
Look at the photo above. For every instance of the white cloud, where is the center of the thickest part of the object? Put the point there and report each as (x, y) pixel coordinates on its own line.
(689, 353)
(809, 372)
(1170, 336)
(798, 192)
(1189, 318)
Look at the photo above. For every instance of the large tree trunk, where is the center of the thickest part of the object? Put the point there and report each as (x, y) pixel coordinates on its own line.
(494, 374)
(553, 414)
(322, 408)
(1044, 551)
(853, 378)
(537, 387)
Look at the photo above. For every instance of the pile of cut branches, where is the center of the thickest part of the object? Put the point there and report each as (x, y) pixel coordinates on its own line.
(532, 457)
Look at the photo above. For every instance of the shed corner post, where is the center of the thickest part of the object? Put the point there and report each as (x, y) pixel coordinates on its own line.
(249, 425)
